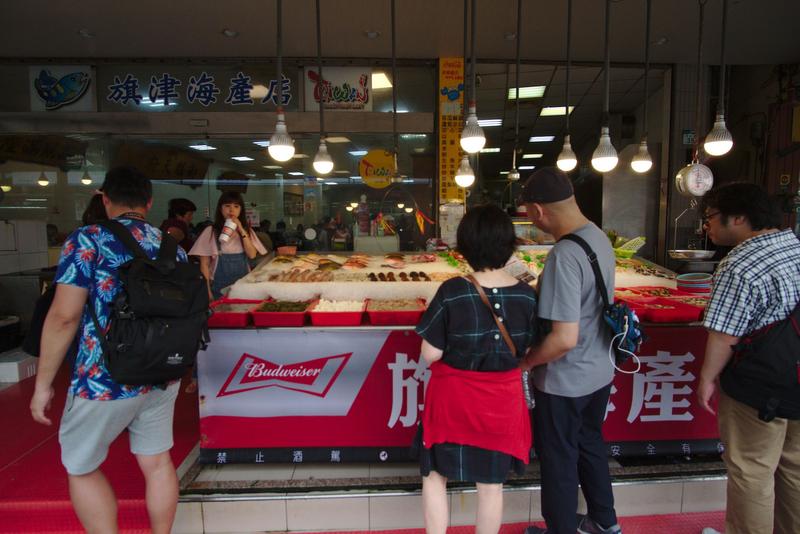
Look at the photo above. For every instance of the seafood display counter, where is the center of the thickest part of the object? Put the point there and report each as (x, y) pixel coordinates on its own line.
(354, 393)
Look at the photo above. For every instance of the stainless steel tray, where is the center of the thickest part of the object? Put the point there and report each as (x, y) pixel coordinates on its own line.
(691, 254)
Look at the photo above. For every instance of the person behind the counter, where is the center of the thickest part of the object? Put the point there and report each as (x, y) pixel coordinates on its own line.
(179, 220)
(475, 426)
(225, 246)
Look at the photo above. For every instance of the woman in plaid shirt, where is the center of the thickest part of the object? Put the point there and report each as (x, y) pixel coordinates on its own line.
(475, 426)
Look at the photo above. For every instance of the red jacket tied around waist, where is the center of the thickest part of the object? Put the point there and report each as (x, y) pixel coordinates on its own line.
(481, 409)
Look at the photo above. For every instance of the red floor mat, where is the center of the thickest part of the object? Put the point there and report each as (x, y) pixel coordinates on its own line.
(655, 524)
(34, 496)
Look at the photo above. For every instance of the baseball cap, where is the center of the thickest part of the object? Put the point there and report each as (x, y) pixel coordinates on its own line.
(548, 184)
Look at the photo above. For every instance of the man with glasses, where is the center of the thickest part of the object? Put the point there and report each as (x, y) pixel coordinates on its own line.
(756, 284)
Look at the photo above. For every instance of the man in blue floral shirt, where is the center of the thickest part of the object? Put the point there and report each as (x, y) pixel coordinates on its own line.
(98, 409)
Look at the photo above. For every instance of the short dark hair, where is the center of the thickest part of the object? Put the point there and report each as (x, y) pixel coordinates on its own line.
(486, 237)
(180, 206)
(127, 186)
(746, 199)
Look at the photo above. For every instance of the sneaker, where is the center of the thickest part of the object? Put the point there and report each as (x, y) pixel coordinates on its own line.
(587, 525)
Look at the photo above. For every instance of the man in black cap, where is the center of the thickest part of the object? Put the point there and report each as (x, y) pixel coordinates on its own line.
(572, 372)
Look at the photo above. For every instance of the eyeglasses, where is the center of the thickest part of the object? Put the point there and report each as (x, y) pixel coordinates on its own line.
(708, 216)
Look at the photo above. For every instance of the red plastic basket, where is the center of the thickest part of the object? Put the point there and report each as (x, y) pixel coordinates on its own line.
(396, 317)
(222, 319)
(262, 318)
(334, 318)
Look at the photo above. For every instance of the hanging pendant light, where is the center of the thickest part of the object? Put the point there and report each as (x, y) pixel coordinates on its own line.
(465, 177)
(43, 180)
(719, 140)
(567, 160)
(323, 163)
(604, 157)
(86, 179)
(642, 162)
(281, 145)
(472, 137)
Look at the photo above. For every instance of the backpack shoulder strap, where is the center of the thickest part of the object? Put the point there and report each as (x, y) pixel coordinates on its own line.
(598, 276)
(123, 234)
(168, 251)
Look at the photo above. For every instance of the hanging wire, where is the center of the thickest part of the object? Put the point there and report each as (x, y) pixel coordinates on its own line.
(569, 66)
(394, 90)
(474, 95)
(466, 88)
(516, 110)
(699, 100)
(607, 66)
(721, 101)
(321, 79)
(279, 34)
(647, 6)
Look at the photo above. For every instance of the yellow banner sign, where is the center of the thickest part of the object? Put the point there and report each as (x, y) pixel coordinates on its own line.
(451, 122)
(377, 168)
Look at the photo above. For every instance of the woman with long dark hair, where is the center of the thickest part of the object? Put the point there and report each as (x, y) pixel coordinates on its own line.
(223, 259)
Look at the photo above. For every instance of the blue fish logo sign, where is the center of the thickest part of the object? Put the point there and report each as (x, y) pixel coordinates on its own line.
(57, 93)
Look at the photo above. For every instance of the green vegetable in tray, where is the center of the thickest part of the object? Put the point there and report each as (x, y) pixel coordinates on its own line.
(282, 306)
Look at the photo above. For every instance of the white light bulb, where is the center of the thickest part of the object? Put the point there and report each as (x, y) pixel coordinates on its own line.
(472, 138)
(465, 177)
(604, 157)
(719, 140)
(349, 208)
(86, 180)
(281, 145)
(567, 160)
(409, 210)
(642, 162)
(5, 188)
(323, 163)
(354, 205)
(43, 180)
(400, 205)
(513, 175)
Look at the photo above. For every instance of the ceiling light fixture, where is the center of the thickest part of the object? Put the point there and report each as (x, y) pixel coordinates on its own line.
(227, 32)
(604, 157)
(281, 145)
(400, 205)
(541, 138)
(489, 123)
(465, 177)
(5, 188)
(358, 153)
(336, 139)
(242, 158)
(202, 147)
(472, 136)
(532, 156)
(492, 150)
(408, 209)
(349, 208)
(323, 163)
(555, 111)
(527, 167)
(262, 144)
(380, 81)
(567, 160)
(533, 91)
(719, 140)
(43, 180)
(641, 161)
(86, 179)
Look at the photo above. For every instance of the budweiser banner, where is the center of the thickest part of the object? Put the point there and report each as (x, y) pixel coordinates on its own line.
(354, 395)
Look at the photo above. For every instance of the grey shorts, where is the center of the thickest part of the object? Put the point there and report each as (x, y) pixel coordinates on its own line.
(88, 427)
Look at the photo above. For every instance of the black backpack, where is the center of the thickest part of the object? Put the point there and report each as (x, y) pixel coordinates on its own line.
(158, 318)
(764, 372)
(33, 338)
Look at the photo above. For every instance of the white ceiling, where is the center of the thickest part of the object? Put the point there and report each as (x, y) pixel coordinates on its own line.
(760, 31)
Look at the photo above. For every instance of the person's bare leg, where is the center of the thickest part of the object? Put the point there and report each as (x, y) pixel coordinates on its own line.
(490, 508)
(161, 495)
(94, 502)
(434, 503)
